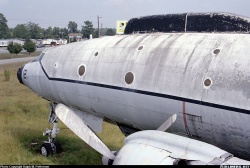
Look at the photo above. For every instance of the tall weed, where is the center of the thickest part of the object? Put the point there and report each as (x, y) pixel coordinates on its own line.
(7, 75)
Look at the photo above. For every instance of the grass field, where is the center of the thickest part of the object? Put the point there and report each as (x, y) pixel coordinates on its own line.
(24, 117)
(20, 55)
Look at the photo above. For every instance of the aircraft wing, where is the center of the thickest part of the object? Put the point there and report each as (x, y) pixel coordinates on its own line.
(149, 147)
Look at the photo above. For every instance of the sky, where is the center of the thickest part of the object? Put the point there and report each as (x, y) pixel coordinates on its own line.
(58, 13)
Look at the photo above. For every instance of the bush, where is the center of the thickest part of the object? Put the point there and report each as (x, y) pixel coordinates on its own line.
(18, 48)
(30, 46)
(11, 48)
(14, 48)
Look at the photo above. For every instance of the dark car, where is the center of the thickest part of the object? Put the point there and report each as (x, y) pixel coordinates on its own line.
(40, 45)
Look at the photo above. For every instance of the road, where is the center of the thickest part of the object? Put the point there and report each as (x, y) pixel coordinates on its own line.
(15, 60)
(4, 50)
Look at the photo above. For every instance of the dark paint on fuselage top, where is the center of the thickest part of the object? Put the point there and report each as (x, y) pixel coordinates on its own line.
(189, 22)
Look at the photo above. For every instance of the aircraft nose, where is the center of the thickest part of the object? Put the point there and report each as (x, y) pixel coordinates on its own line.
(19, 74)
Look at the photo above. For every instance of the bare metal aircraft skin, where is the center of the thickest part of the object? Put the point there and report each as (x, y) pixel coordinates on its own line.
(142, 80)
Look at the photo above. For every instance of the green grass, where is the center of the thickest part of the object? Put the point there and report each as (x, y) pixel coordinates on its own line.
(24, 117)
(20, 55)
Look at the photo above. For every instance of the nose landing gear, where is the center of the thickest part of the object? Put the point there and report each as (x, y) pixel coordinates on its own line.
(51, 146)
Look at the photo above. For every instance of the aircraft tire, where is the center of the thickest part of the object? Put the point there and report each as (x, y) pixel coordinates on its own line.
(58, 147)
(46, 149)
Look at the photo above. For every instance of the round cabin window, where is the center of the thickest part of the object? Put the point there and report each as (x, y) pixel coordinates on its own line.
(216, 51)
(81, 70)
(207, 82)
(129, 77)
(140, 48)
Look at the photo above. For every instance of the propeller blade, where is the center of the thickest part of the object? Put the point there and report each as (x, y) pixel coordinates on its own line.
(167, 123)
(76, 124)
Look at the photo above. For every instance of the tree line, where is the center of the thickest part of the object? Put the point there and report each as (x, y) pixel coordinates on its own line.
(32, 30)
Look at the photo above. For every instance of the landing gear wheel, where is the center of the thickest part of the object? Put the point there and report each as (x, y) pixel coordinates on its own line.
(58, 147)
(46, 149)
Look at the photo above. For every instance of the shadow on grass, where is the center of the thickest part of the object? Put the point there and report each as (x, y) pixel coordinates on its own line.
(75, 151)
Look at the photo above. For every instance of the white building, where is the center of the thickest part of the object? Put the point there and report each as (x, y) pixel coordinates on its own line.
(58, 41)
(75, 36)
(47, 41)
(61, 41)
(6, 42)
(17, 41)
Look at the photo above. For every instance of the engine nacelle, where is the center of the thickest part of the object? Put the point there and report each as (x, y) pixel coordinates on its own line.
(162, 148)
(107, 161)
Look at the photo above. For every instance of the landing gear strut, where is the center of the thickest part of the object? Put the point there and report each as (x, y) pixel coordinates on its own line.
(51, 146)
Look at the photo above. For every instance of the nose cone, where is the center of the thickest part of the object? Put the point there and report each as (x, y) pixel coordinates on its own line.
(19, 74)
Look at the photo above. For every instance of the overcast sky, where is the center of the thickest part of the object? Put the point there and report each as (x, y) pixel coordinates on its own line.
(59, 12)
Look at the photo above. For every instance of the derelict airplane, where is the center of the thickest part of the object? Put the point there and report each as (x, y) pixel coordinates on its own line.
(186, 74)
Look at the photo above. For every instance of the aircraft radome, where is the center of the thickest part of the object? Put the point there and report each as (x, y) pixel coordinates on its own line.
(177, 86)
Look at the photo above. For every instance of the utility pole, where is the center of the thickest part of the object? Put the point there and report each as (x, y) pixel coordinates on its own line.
(101, 30)
(98, 20)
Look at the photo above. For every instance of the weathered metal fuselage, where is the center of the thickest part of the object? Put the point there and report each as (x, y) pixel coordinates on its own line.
(140, 80)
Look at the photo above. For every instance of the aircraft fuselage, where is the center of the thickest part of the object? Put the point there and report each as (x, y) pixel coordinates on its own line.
(140, 80)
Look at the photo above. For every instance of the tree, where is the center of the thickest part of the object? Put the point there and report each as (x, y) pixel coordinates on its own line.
(11, 32)
(110, 32)
(72, 26)
(87, 29)
(96, 33)
(14, 48)
(29, 46)
(20, 31)
(56, 31)
(35, 31)
(63, 33)
(4, 29)
(42, 33)
(48, 34)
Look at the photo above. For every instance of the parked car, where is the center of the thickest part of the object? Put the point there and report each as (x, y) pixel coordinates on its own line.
(53, 43)
(40, 45)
